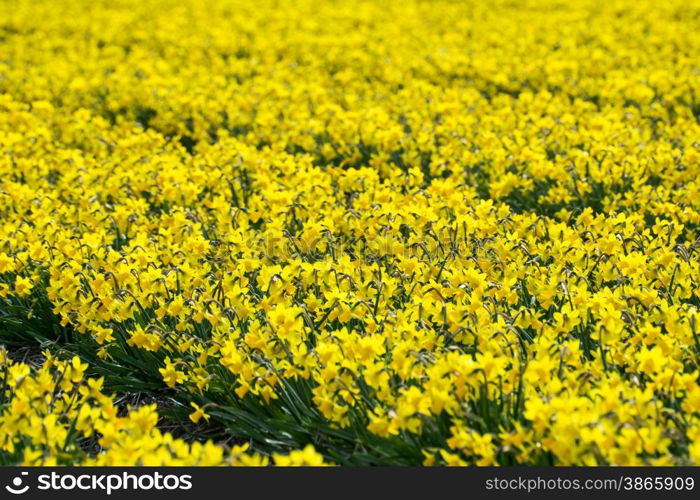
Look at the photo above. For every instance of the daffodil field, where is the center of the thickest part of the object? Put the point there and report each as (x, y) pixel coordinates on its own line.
(345, 232)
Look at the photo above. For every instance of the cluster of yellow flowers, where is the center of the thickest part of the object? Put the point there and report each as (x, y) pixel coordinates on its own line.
(355, 231)
(53, 415)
